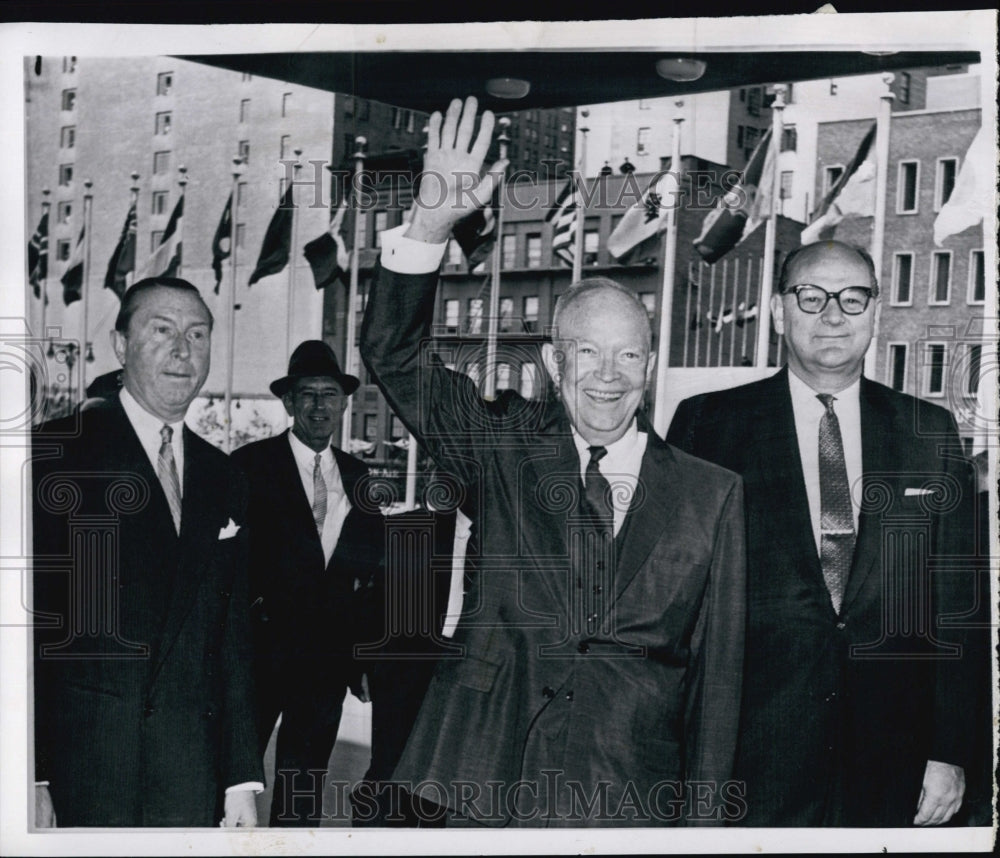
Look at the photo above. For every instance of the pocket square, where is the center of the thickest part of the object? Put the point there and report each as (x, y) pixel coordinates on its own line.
(911, 492)
(229, 531)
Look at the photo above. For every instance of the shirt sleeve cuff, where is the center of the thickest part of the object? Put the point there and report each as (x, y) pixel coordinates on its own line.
(404, 255)
(256, 786)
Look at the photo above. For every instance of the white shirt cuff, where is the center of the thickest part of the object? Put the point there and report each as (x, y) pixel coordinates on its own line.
(406, 256)
(256, 786)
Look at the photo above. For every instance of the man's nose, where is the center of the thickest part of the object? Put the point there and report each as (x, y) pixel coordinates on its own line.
(832, 314)
(607, 370)
(181, 346)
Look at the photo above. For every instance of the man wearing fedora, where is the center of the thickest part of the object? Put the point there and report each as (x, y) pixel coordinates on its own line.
(313, 553)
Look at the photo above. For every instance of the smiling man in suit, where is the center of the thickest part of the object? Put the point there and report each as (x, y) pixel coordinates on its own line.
(143, 693)
(858, 498)
(314, 548)
(602, 635)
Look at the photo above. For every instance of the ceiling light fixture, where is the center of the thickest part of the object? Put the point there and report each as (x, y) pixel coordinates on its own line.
(680, 69)
(508, 87)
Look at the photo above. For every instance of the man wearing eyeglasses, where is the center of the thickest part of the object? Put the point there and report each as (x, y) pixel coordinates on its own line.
(857, 499)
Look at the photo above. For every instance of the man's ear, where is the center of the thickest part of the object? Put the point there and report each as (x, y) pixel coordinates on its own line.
(878, 318)
(650, 366)
(287, 401)
(119, 342)
(553, 360)
(778, 313)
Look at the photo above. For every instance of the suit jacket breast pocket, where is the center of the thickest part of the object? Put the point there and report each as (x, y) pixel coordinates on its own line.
(471, 672)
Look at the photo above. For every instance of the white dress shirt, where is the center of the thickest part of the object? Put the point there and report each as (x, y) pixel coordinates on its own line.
(337, 503)
(147, 426)
(620, 467)
(408, 256)
(808, 412)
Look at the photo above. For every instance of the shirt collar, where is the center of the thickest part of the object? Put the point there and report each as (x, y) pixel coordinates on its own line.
(622, 445)
(803, 393)
(147, 426)
(306, 456)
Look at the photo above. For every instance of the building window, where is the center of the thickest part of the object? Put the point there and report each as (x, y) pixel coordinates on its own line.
(896, 371)
(648, 300)
(590, 247)
(833, 87)
(286, 103)
(506, 323)
(739, 136)
(246, 77)
(67, 137)
(164, 83)
(244, 110)
(68, 99)
(65, 175)
(243, 151)
(642, 141)
(534, 251)
(944, 181)
(349, 105)
(941, 277)
(643, 105)
(62, 249)
(162, 123)
(935, 358)
(743, 94)
(530, 311)
(381, 222)
(973, 369)
(362, 108)
(241, 194)
(349, 146)
(503, 376)
(241, 234)
(397, 117)
(509, 257)
(160, 200)
(362, 226)
(453, 255)
(977, 277)
(451, 309)
(155, 239)
(161, 163)
(475, 316)
(750, 135)
(529, 380)
(908, 182)
(902, 279)
(904, 87)
(69, 65)
(789, 139)
(371, 427)
(831, 175)
(786, 184)
(754, 97)
(63, 211)
(396, 428)
(410, 122)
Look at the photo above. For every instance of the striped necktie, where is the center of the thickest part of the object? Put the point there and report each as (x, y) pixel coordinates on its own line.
(166, 471)
(836, 517)
(597, 489)
(319, 495)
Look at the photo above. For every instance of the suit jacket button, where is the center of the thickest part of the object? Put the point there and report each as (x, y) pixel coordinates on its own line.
(569, 696)
(548, 692)
(841, 626)
(148, 711)
(583, 648)
(598, 589)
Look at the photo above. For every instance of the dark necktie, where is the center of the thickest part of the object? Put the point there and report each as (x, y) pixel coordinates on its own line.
(166, 471)
(597, 490)
(319, 496)
(836, 518)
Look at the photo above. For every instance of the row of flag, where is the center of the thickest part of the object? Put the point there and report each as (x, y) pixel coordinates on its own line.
(736, 215)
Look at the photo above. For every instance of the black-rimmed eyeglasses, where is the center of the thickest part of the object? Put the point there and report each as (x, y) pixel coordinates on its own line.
(852, 301)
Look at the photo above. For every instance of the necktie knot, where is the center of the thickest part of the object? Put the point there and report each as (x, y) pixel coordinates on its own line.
(827, 399)
(167, 433)
(597, 453)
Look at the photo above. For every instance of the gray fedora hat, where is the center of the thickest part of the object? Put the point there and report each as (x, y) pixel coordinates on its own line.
(314, 358)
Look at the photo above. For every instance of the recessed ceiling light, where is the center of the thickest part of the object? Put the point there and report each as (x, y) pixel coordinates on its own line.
(681, 69)
(508, 87)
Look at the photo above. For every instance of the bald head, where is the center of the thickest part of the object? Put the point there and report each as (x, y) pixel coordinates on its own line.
(600, 295)
(826, 252)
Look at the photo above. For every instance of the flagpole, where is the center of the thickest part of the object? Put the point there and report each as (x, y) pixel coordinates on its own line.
(352, 291)
(231, 316)
(182, 181)
(492, 322)
(580, 201)
(46, 205)
(88, 205)
(882, 130)
(770, 233)
(289, 330)
(667, 289)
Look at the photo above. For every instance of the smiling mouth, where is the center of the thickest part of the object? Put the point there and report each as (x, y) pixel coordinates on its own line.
(605, 395)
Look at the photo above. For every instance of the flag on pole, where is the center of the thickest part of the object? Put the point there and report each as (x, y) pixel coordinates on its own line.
(122, 261)
(277, 240)
(220, 241)
(166, 259)
(562, 216)
(38, 257)
(741, 209)
(476, 233)
(327, 255)
(853, 195)
(647, 217)
(72, 279)
(974, 190)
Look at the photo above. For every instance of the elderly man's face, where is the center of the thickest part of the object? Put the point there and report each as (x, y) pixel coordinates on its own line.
(166, 351)
(601, 363)
(316, 403)
(827, 349)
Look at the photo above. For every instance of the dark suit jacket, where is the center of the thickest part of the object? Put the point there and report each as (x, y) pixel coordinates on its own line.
(840, 714)
(643, 693)
(143, 695)
(306, 614)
